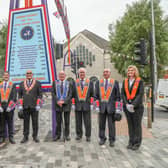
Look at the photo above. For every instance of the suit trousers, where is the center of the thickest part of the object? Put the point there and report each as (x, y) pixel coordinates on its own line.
(6, 118)
(134, 121)
(102, 126)
(59, 115)
(34, 116)
(81, 116)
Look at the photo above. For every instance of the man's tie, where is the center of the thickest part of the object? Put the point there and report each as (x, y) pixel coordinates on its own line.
(82, 84)
(106, 84)
(29, 83)
(5, 86)
(62, 89)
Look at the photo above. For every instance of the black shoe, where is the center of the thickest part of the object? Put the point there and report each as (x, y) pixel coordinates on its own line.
(24, 140)
(36, 140)
(67, 138)
(12, 141)
(129, 146)
(2, 140)
(88, 139)
(135, 147)
(56, 138)
(78, 138)
(102, 142)
(111, 144)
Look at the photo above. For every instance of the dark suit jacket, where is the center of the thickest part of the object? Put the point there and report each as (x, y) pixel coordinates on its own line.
(110, 105)
(67, 102)
(138, 100)
(30, 99)
(83, 105)
(12, 97)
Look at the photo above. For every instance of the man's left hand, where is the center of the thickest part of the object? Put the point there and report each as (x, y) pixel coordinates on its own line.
(1, 109)
(60, 103)
(8, 109)
(91, 107)
(37, 108)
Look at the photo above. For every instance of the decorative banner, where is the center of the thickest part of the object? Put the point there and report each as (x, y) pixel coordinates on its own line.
(28, 46)
(62, 9)
(63, 13)
(56, 14)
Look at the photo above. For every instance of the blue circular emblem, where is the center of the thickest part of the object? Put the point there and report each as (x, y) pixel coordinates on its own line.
(27, 33)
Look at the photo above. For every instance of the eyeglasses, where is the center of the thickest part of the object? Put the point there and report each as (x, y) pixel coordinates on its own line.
(29, 73)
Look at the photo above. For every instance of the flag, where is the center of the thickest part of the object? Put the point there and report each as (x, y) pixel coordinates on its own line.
(56, 14)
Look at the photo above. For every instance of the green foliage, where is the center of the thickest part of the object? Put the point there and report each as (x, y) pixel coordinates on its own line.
(136, 24)
(3, 40)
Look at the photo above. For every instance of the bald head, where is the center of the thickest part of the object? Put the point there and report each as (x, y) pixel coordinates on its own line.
(62, 75)
(82, 69)
(29, 74)
(106, 73)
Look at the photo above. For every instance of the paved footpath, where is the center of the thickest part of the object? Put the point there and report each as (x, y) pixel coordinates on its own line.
(81, 154)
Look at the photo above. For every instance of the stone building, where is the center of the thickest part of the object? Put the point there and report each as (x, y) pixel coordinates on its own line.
(93, 51)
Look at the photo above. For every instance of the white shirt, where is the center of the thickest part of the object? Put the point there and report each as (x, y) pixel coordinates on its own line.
(29, 81)
(83, 81)
(63, 82)
(105, 81)
(131, 81)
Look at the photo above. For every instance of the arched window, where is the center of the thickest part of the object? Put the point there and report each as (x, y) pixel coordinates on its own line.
(83, 54)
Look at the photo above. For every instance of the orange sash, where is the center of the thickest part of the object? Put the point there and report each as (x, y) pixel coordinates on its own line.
(131, 95)
(105, 95)
(82, 93)
(5, 94)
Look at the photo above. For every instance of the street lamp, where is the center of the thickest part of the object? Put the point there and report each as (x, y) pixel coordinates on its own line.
(154, 61)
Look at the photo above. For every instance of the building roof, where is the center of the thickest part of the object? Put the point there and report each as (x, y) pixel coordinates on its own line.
(99, 41)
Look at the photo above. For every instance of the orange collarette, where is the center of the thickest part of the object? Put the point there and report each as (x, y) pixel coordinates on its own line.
(5, 94)
(105, 95)
(31, 87)
(82, 93)
(131, 95)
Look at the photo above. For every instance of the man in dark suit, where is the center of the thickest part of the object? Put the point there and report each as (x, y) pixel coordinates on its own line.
(107, 93)
(30, 101)
(132, 95)
(83, 91)
(62, 95)
(7, 106)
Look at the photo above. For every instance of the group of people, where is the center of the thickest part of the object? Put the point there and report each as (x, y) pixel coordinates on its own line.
(29, 103)
(105, 92)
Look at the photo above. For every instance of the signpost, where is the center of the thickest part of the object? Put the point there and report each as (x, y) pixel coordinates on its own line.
(28, 46)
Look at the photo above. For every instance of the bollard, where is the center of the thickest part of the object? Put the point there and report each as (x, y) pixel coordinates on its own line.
(149, 112)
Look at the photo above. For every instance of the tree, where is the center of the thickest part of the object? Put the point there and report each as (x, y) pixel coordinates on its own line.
(3, 40)
(134, 25)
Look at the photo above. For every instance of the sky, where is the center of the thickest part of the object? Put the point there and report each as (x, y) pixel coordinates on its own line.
(93, 15)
